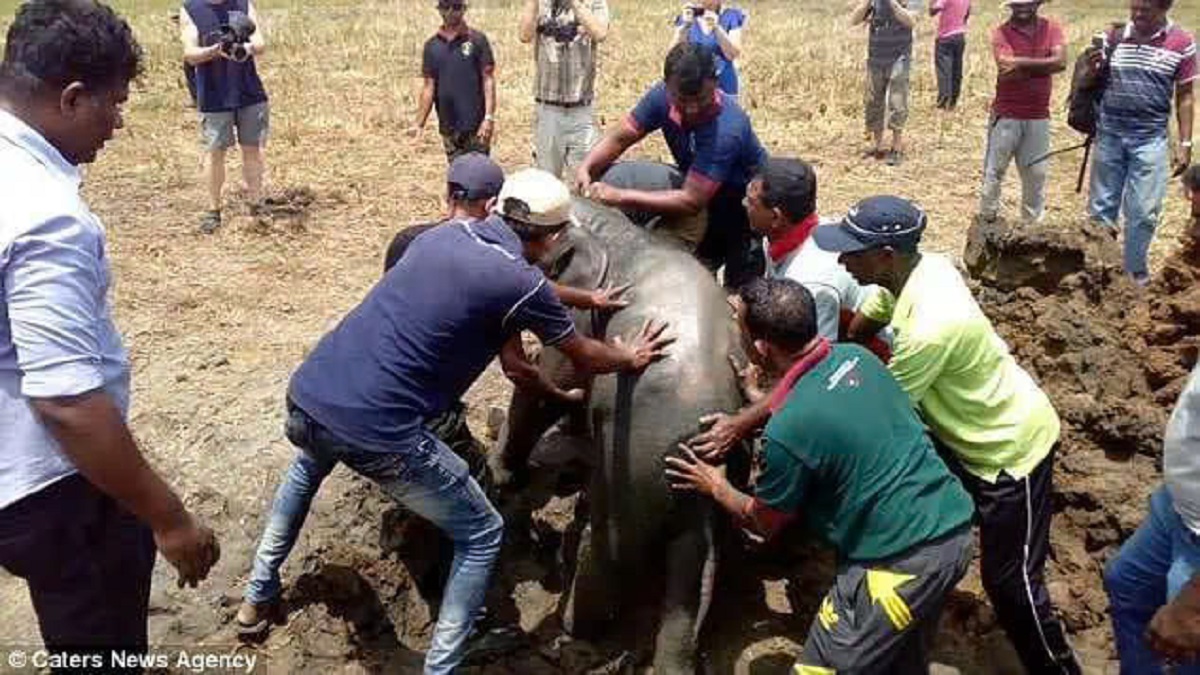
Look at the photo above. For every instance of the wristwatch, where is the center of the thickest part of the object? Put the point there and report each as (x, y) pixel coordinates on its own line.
(492, 118)
(1185, 144)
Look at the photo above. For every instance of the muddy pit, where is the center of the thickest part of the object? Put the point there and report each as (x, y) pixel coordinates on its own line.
(1113, 358)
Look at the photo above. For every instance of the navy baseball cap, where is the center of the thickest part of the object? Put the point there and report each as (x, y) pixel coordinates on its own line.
(477, 175)
(873, 223)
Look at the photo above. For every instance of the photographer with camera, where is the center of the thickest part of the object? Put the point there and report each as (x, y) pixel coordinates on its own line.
(718, 29)
(221, 40)
(565, 35)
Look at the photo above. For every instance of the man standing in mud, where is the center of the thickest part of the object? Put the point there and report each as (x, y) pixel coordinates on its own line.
(406, 353)
(1152, 65)
(993, 424)
(81, 512)
(845, 449)
(712, 142)
(1153, 583)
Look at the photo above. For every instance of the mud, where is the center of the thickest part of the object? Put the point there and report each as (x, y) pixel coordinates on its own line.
(1112, 357)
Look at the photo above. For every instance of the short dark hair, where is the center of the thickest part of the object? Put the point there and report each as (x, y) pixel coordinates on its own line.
(790, 185)
(1164, 4)
(1191, 177)
(689, 65)
(52, 43)
(780, 311)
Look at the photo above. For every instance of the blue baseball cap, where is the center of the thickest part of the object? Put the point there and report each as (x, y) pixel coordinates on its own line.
(477, 175)
(874, 222)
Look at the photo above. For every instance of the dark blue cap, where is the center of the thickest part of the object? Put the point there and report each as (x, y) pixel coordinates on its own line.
(477, 175)
(874, 222)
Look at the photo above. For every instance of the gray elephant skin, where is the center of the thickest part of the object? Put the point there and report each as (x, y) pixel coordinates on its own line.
(638, 527)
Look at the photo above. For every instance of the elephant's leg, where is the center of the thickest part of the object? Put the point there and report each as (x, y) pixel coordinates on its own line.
(529, 417)
(690, 571)
(592, 600)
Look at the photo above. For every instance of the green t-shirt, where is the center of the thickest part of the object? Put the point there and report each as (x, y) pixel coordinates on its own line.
(848, 452)
(961, 376)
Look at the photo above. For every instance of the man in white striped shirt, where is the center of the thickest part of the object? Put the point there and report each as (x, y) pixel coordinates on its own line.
(1152, 61)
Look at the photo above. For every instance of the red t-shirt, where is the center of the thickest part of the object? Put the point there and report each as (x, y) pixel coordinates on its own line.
(1020, 96)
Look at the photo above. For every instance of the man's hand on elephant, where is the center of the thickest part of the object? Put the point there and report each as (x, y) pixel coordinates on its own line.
(723, 431)
(690, 474)
(650, 346)
(583, 181)
(603, 193)
(610, 298)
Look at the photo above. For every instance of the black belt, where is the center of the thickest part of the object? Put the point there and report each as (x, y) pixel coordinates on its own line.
(577, 104)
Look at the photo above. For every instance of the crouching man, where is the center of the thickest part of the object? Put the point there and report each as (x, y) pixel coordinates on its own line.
(403, 356)
(845, 444)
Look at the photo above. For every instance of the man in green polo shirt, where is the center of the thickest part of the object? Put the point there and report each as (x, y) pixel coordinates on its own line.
(845, 448)
(997, 428)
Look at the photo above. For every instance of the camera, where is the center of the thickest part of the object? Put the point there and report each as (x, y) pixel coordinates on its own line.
(559, 31)
(234, 35)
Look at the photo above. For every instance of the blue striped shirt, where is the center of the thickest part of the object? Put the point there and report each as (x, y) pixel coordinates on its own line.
(57, 337)
(1143, 79)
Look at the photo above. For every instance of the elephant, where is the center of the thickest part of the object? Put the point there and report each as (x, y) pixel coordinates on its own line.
(631, 422)
(687, 230)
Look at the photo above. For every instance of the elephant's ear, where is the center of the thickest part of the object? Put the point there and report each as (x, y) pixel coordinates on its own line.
(557, 268)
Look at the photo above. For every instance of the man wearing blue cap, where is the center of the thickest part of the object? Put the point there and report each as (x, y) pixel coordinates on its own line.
(995, 426)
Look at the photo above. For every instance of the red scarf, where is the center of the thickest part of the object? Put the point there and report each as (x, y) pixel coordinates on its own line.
(807, 361)
(779, 248)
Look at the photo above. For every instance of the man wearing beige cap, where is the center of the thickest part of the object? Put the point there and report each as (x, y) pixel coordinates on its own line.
(414, 345)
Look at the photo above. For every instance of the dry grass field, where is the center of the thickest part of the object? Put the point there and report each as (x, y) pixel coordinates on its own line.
(217, 323)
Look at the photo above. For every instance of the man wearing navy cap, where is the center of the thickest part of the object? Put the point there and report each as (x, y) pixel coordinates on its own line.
(995, 426)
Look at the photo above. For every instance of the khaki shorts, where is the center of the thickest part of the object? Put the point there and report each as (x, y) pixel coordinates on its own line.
(251, 123)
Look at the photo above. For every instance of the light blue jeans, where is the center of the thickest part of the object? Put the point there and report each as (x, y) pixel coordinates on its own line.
(1130, 176)
(1149, 571)
(428, 479)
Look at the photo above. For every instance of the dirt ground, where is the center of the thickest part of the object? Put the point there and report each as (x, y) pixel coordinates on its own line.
(217, 324)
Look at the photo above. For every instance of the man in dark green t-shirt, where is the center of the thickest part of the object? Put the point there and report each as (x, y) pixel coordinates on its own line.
(845, 448)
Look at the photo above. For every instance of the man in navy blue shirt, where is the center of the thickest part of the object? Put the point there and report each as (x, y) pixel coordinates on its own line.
(412, 347)
(712, 142)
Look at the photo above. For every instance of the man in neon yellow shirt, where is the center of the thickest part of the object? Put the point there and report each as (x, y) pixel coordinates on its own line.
(996, 427)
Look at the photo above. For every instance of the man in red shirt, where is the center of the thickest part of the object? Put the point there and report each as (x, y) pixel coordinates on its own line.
(1028, 50)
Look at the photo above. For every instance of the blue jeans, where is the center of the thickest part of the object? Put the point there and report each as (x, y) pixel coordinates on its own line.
(428, 479)
(1149, 571)
(1130, 175)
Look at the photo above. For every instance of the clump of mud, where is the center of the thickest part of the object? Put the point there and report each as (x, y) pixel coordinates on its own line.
(1113, 357)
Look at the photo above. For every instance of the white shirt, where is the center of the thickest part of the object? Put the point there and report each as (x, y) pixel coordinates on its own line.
(1181, 453)
(832, 287)
(57, 337)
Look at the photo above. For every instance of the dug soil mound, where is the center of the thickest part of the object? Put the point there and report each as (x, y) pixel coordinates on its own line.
(1113, 357)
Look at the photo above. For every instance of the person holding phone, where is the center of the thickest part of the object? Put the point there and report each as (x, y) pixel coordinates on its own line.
(719, 29)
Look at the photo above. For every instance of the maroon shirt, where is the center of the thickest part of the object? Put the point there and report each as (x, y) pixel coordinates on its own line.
(1018, 95)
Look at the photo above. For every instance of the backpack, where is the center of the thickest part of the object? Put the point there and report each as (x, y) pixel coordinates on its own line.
(1083, 104)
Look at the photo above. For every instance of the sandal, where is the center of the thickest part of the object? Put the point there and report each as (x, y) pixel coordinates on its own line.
(874, 153)
(895, 158)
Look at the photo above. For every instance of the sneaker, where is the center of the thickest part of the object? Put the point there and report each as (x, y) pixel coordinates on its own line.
(210, 222)
(895, 158)
(253, 621)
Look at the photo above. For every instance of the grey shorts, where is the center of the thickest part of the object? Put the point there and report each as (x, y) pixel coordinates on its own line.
(252, 124)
